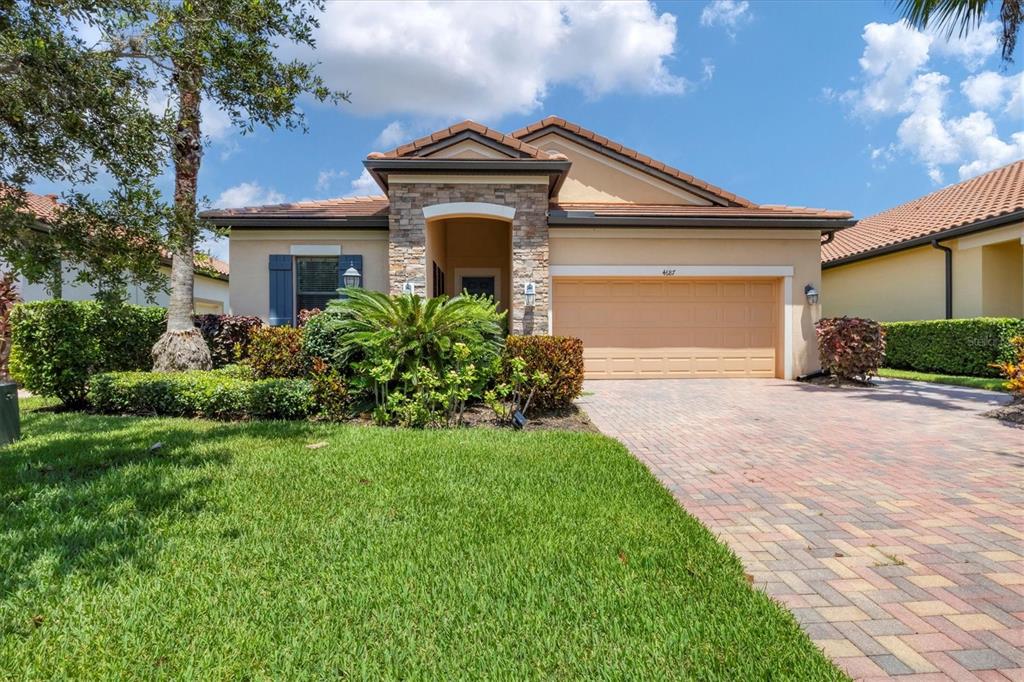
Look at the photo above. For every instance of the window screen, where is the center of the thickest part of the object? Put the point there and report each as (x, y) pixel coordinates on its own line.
(316, 281)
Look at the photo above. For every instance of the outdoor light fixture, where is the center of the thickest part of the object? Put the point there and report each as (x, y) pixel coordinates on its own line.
(811, 293)
(530, 291)
(409, 288)
(351, 277)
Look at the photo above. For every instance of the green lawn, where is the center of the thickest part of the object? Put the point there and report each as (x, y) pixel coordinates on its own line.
(988, 383)
(235, 551)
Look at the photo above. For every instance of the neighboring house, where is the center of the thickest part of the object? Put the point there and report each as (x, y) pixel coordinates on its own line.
(956, 252)
(211, 281)
(661, 274)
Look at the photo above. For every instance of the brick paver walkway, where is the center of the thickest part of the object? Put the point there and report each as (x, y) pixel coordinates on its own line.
(889, 520)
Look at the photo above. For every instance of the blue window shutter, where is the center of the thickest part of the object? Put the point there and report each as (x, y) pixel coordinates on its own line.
(344, 264)
(282, 297)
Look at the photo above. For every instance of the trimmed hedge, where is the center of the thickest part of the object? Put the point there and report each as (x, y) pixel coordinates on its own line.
(966, 347)
(59, 344)
(560, 357)
(213, 394)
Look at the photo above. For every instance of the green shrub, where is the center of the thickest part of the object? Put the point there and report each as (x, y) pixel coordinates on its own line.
(330, 393)
(967, 347)
(560, 358)
(321, 338)
(215, 395)
(276, 353)
(227, 336)
(281, 399)
(381, 343)
(59, 344)
(850, 347)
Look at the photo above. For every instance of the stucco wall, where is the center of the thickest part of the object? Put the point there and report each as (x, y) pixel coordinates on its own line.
(908, 285)
(250, 252)
(475, 244)
(988, 280)
(1002, 280)
(799, 249)
(599, 178)
(210, 295)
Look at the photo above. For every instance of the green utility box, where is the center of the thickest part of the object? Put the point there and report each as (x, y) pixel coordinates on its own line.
(10, 423)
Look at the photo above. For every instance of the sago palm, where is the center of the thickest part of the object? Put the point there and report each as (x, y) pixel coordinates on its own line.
(963, 16)
(414, 331)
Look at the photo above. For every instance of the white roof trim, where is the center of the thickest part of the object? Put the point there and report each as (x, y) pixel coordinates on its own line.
(469, 208)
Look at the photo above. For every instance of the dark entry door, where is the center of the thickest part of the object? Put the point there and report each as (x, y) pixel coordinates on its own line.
(478, 286)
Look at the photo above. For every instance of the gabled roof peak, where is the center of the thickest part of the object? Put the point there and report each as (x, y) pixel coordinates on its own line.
(467, 129)
(631, 156)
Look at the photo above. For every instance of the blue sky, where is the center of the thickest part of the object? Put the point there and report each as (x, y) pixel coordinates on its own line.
(829, 104)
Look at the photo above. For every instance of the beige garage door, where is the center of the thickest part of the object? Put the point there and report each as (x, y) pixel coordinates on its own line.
(671, 327)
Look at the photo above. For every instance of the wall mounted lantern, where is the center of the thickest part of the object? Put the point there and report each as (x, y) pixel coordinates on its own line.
(811, 293)
(409, 288)
(530, 291)
(351, 278)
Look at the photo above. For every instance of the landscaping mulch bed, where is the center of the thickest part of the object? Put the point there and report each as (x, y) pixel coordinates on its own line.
(571, 419)
(565, 419)
(835, 382)
(1012, 413)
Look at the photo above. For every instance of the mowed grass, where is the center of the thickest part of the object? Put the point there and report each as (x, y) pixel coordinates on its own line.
(988, 383)
(234, 551)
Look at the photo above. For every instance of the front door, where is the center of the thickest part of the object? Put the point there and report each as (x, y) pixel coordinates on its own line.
(478, 286)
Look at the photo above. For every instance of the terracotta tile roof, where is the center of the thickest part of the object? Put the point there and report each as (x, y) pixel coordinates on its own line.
(410, 149)
(347, 207)
(632, 154)
(673, 210)
(45, 207)
(996, 193)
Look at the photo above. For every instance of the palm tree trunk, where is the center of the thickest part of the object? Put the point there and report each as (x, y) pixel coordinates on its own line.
(182, 346)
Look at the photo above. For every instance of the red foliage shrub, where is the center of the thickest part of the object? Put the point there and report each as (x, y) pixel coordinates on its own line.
(8, 297)
(276, 353)
(227, 336)
(560, 357)
(851, 347)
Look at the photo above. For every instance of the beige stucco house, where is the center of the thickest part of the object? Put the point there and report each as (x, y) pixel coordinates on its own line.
(954, 253)
(661, 274)
(210, 293)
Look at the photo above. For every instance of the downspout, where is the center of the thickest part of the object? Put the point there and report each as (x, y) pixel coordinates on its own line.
(829, 236)
(949, 276)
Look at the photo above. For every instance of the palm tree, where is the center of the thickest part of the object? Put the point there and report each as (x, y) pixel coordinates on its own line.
(963, 16)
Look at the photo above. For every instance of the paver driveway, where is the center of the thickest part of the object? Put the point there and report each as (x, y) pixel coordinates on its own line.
(890, 520)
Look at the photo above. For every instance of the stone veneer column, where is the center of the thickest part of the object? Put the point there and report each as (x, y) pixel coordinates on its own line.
(530, 261)
(407, 240)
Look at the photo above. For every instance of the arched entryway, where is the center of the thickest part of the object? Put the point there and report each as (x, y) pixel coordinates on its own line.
(469, 248)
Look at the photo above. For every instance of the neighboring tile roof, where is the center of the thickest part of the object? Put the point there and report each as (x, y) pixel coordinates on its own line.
(673, 210)
(410, 149)
(632, 154)
(348, 207)
(45, 207)
(996, 193)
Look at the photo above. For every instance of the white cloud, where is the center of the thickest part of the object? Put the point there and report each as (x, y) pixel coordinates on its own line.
(394, 134)
(896, 82)
(973, 49)
(977, 133)
(248, 194)
(364, 185)
(893, 54)
(992, 91)
(730, 14)
(326, 178)
(485, 60)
